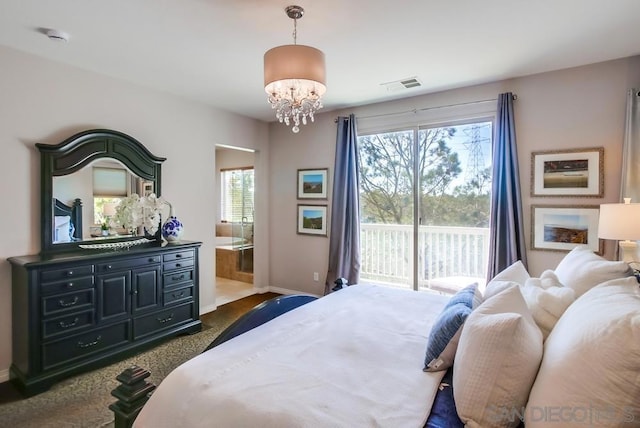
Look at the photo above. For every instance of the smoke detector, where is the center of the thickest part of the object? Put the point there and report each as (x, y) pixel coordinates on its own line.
(57, 35)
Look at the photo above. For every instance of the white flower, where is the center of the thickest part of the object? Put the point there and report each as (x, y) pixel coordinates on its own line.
(135, 211)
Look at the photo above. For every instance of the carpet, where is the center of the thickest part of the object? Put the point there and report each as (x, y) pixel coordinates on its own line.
(83, 401)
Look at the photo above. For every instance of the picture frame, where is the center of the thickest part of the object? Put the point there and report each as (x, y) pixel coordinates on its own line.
(312, 220)
(563, 227)
(576, 172)
(312, 183)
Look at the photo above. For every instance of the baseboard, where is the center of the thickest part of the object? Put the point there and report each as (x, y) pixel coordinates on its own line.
(289, 291)
(207, 309)
(4, 375)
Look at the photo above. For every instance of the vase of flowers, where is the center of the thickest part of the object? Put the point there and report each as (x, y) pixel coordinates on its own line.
(136, 211)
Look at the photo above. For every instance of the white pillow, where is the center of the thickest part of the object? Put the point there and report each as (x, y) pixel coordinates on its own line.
(547, 300)
(581, 269)
(590, 373)
(496, 362)
(505, 278)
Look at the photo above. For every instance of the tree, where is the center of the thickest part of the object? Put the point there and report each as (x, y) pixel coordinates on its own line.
(386, 180)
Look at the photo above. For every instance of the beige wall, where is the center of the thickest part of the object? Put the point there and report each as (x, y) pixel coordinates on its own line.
(46, 102)
(575, 108)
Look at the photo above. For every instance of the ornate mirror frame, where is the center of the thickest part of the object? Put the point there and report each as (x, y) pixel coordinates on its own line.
(80, 150)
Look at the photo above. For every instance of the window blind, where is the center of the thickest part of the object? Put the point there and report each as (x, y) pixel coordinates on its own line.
(109, 182)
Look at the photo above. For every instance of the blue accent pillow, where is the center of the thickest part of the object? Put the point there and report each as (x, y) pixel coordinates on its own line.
(444, 336)
(443, 339)
(443, 412)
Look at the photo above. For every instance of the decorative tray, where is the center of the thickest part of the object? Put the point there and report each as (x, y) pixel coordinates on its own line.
(114, 245)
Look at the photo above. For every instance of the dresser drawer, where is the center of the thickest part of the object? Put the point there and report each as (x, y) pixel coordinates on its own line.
(179, 264)
(75, 301)
(127, 263)
(85, 344)
(67, 285)
(67, 324)
(187, 254)
(175, 278)
(162, 320)
(68, 273)
(178, 295)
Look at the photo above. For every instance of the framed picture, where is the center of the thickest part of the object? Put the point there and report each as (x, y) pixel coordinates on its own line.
(312, 220)
(563, 227)
(577, 172)
(312, 183)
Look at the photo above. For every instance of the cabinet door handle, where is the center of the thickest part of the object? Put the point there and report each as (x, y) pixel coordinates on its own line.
(89, 344)
(67, 325)
(177, 278)
(177, 296)
(165, 320)
(67, 304)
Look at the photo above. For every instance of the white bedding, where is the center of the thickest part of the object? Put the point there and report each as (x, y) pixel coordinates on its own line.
(351, 359)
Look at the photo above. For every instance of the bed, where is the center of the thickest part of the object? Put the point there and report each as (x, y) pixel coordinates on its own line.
(67, 221)
(560, 350)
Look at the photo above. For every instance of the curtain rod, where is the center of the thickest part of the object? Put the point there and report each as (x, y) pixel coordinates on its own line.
(514, 96)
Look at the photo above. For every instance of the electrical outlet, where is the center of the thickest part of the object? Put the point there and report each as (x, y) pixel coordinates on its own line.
(316, 276)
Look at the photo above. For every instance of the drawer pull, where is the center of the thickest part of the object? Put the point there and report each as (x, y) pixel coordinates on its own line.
(64, 304)
(69, 273)
(70, 285)
(165, 320)
(108, 267)
(177, 278)
(178, 256)
(151, 260)
(71, 324)
(178, 265)
(177, 296)
(90, 344)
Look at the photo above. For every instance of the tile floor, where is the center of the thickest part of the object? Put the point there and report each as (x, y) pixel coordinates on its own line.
(228, 290)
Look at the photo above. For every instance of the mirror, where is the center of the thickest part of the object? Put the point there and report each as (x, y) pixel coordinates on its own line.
(67, 175)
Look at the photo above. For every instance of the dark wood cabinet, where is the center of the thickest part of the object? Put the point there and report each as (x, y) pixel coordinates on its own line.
(84, 309)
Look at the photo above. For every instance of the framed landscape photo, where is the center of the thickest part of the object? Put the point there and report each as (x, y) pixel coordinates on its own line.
(563, 227)
(578, 172)
(312, 183)
(312, 220)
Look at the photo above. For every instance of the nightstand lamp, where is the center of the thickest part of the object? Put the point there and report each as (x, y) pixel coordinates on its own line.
(621, 222)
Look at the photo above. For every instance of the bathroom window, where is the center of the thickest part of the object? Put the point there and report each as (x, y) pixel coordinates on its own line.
(237, 190)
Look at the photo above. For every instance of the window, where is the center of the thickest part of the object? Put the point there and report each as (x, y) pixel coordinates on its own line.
(109, 186)
(237, 191)
(425, 199)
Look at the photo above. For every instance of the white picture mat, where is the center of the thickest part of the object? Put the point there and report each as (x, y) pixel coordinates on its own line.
(586, 217)
(594, 160)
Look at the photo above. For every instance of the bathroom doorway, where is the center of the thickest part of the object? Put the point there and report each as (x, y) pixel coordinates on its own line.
(234, 223)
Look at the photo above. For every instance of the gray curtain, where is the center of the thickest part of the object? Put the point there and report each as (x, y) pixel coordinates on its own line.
(630, 186)
(507, 243)
(344, 240)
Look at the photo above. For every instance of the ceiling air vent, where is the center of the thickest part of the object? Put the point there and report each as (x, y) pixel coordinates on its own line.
(398, 85)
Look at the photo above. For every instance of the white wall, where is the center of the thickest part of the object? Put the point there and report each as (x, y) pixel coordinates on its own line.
(574, 108)
(46, 102)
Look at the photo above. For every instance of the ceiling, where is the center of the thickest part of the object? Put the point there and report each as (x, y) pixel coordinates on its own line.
(212, 50)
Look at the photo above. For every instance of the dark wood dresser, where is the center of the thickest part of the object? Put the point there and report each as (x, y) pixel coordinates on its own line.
(84, 309)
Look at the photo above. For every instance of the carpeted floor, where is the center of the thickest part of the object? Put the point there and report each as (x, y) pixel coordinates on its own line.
(83, 401)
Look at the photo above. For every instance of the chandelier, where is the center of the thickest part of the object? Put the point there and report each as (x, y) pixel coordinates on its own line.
(294, 78)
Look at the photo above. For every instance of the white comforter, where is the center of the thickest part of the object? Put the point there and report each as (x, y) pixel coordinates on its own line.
(350, 359)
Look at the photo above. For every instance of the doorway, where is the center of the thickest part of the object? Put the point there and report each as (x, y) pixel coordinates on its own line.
(234, 223)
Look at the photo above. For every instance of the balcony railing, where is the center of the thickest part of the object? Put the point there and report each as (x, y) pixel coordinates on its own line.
(449, 258)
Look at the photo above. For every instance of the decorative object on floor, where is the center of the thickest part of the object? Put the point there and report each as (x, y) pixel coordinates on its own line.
(620, 222)
(132, 395)
(294, 78)
(172, 229)
(135, 211)
(563, 227)
(578, 172)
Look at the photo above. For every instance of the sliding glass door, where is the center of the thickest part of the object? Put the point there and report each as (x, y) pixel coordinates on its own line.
(425, 196)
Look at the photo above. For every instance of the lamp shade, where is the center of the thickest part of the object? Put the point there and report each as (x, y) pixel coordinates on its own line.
(619, 222)
(295, 62)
